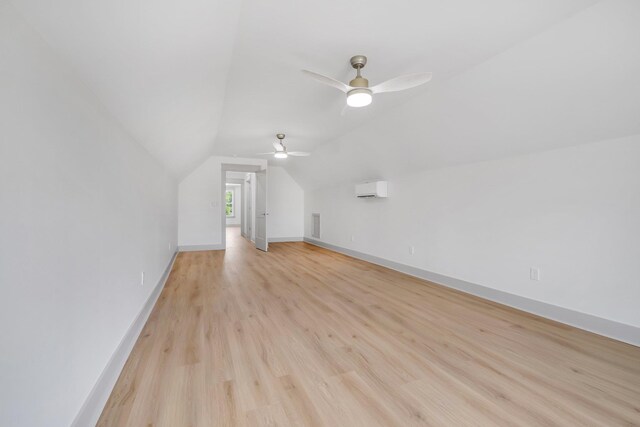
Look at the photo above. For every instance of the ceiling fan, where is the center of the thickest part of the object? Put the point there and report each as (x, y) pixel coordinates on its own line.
(359, 94)
(281, 151)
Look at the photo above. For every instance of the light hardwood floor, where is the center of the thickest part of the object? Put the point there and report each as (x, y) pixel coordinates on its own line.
(302, 336)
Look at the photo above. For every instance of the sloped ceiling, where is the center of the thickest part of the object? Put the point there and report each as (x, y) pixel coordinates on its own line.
(159, 66)
(193, 78)
(577, 82)
(267, 93)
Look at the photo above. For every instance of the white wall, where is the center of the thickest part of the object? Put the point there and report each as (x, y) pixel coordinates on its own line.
(285, 203)
(200, 211)
(83, 210)
(237, 196)
(572, 212)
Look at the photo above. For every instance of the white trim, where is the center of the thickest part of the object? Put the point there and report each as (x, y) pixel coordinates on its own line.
(193, 248)
(608, 328)
(94, 404)
(285, 239)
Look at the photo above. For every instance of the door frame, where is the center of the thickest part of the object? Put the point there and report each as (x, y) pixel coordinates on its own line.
(231, 167)
(261, 218)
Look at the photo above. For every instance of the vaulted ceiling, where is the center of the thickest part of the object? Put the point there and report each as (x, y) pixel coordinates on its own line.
(193, 78)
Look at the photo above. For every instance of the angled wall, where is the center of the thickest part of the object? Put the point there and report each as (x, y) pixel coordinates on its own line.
(84, 210)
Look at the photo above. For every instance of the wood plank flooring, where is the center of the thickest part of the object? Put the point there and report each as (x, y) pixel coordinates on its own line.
(302, 336)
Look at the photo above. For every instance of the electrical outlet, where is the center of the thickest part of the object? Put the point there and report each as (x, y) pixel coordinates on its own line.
(353, 238)
(412, 250)
(169, 246)
(534, 274)
(142, 278)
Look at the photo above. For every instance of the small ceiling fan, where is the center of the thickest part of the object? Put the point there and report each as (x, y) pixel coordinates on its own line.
(281, 151)
(359, 94)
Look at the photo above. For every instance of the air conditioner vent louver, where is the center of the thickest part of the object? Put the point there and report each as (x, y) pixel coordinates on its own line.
(315, 230)
(373, 189)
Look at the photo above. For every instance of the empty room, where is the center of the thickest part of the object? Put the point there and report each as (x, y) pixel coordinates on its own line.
(329, 214)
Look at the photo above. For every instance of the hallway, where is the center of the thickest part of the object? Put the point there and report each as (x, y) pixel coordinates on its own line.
(234, 237)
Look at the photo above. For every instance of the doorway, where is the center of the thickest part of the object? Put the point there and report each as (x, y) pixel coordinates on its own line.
(244, 204)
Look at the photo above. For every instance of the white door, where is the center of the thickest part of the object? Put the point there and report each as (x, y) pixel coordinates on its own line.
(261, 211)
(248, 196)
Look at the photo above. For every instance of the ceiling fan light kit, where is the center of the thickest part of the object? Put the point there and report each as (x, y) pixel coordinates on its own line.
(359, 98)
(281, 151)
(359, 94)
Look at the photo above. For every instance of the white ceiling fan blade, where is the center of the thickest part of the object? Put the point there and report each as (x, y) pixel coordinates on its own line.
(278, 146)
(401, 83)
(328, 81)
(298, 153)
(344, 110)
(265, 154)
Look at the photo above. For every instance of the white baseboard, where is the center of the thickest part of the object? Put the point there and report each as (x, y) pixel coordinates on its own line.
(609, 328)
(285, 239)
(193, 248)
(93, 406)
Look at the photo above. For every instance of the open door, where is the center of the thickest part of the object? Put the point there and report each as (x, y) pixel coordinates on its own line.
(261, 211)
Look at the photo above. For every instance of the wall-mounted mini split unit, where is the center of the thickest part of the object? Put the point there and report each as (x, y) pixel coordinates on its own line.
(372, 189)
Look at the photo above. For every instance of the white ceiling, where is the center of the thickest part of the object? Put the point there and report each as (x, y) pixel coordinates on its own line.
(574, 83)
(276, 39)
(194, 77)
(159, 66)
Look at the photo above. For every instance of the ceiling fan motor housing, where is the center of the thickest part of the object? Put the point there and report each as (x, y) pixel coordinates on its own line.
(359, 82)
